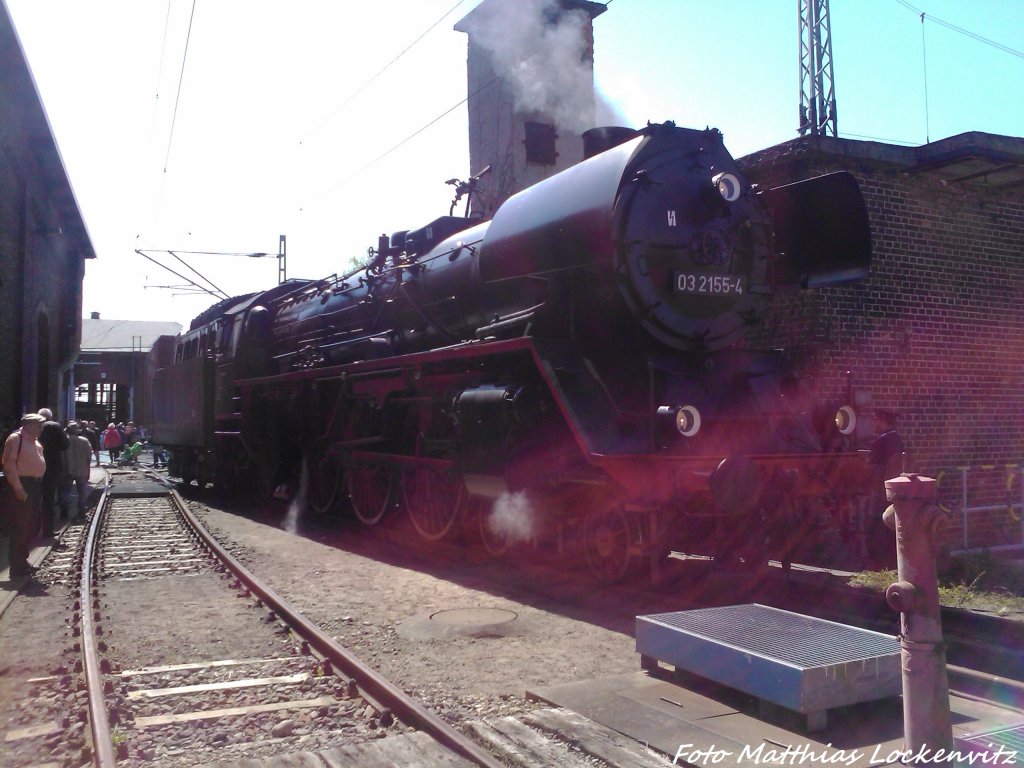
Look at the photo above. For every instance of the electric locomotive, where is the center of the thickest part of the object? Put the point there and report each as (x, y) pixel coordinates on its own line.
(572, 372)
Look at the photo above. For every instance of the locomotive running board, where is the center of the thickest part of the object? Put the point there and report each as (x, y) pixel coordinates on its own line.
(798, 662)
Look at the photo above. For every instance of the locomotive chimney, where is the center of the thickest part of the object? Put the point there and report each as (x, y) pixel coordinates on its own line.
(530, 71)
(598, 140)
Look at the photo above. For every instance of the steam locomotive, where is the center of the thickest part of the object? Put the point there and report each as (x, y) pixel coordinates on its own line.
(571, 372)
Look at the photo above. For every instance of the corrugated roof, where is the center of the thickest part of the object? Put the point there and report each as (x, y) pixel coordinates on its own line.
(124, 335)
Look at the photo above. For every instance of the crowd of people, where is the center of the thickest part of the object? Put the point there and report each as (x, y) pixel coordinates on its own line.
(46, 466)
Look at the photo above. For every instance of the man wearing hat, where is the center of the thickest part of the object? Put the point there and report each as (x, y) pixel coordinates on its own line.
(79, 459)
(24, 467)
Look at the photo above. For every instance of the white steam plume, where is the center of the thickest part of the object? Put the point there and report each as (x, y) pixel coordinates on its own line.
(542, 52)
(512, 517)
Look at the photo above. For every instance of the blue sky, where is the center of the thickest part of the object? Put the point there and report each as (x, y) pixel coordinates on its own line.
(325, 122)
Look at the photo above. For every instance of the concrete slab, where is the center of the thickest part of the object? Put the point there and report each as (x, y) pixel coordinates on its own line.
(135, 486)
(707, 725)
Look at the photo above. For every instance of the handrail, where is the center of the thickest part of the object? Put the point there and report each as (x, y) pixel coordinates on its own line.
(1014, 474)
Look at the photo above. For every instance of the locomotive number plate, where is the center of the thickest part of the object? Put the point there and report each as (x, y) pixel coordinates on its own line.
(703, 283)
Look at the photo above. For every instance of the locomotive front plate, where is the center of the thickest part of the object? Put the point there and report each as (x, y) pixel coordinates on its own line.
(705, 283)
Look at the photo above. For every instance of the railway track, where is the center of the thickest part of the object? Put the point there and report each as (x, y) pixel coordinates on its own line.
(151, 680)
(275, 682)
(193, 662)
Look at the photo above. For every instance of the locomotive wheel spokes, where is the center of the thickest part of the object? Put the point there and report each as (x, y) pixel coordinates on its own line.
(324, 482)
(433, 499)
(609, 541)
(370, 490)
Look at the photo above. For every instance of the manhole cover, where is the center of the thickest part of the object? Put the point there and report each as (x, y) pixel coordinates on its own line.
(474, 617)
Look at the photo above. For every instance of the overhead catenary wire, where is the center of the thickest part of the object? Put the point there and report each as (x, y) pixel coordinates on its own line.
(973, 35)
(250, 254)
(213, 289)
(181, 78)
(924, 66)
(923, 16)
(156, 98)
(382, 70)
(408, 138)
(177, 98)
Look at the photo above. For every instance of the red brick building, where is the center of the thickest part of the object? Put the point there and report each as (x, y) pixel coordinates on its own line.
(936, 332)
(43, 245)
(114, 368)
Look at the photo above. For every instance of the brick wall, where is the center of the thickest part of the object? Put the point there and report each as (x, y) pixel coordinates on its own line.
(936, 332)
(43, 243)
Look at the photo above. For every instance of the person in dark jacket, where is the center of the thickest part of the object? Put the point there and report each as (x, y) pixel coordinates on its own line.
(885, 460)
(90, 433)
(54, 443)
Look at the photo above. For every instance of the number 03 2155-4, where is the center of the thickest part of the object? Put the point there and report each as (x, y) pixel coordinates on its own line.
(702, 283)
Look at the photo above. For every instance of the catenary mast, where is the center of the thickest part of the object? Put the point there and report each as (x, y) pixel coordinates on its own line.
(817, 86)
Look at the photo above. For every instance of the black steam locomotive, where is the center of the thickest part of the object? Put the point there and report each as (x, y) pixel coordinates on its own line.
(571, 372)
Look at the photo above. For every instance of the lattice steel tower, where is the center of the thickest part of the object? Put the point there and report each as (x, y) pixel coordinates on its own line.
(817, 87)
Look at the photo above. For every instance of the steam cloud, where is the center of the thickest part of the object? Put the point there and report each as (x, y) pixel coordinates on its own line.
(512, 517)
(541, 51)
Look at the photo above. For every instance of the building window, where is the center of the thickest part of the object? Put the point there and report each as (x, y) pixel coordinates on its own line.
(540, 143)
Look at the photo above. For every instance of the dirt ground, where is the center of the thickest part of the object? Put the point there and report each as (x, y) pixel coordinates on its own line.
(465, 633)
(453, 631)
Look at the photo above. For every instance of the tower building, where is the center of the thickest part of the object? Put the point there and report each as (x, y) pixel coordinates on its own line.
(531, 92)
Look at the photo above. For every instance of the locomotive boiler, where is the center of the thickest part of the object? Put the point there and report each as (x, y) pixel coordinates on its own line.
(573, 372)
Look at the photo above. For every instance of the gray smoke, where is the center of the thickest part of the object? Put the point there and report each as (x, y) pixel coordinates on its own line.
(541, 51)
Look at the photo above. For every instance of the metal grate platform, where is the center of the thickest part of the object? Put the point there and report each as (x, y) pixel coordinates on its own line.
(801, 663)
(1002, 747)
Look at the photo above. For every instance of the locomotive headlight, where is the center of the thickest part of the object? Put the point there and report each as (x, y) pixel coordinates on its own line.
(688, 421)
(728, 186)
(686, 418)
(846, 420)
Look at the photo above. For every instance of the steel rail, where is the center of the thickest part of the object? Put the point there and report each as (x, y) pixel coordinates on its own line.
(99, 722)
(368, 679)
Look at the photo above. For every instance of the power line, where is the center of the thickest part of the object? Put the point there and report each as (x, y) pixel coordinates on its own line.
(887, 140)
(924, 70)
(961, 30)
(408, 138)
(384, 69)
(250, 254)
(213, 290)
(181, 78)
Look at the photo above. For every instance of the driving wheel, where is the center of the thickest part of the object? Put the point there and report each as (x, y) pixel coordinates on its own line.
(324, 482)
(610, 543)
(370, 490)
(432, 498)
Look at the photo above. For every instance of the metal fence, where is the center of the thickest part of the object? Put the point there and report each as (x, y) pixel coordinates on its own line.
(956, 481)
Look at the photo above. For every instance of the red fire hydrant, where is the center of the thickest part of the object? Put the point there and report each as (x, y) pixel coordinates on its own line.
(918, 523)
